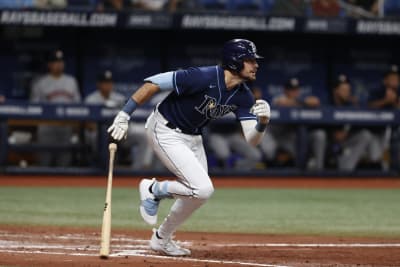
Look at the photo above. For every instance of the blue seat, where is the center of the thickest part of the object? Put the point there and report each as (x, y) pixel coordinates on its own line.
(213, 4)
(82, 4)
(245, 5)
(391, 8)
(16, 4)
(267, 5)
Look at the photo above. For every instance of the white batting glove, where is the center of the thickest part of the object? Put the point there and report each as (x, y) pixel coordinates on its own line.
(119, 128)
(261, 109)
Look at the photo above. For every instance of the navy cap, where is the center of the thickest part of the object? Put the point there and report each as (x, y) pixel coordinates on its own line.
(292, 83)
(340, 80)
(56, 55)
(105, 76)
(394, 69)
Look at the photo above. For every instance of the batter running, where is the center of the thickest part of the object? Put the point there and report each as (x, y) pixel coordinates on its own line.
(198, 95)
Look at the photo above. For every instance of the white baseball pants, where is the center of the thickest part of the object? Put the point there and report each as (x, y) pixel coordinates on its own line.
(184, 156)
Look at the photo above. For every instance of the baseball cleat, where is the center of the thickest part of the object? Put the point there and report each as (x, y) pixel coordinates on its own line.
(148, 202)
(167, 246)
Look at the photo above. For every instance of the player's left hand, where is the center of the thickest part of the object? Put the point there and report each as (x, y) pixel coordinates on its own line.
(262, 110)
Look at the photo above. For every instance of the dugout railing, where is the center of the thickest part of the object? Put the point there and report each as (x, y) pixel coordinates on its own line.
(34, 114)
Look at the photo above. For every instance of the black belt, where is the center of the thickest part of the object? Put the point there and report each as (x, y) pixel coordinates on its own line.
(173, 126)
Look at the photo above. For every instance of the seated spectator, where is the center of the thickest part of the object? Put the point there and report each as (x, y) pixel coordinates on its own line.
(370, 6)
(348, 144)
(114, 5)
(156, 5)
(283, 137)
(55, 4)
(55, 87)
(325, 8)
(385, 97)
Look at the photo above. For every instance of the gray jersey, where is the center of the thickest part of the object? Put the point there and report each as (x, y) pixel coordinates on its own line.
(115, 100)
(56, 90)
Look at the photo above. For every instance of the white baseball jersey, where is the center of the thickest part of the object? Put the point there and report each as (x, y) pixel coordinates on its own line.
(63, 89)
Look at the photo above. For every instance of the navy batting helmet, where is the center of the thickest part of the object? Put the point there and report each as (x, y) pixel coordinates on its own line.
(235, 51)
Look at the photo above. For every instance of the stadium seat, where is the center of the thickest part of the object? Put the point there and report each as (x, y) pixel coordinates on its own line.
(17, 4)
(391, 8)
(267, 5)
(245, 5)
(82, 4)
(213, 4)
(262, 6)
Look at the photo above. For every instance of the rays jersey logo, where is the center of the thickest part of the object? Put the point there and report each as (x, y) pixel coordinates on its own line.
(211, 110)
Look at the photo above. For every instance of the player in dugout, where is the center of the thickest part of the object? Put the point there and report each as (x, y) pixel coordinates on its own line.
(55, 87)
(197, 96)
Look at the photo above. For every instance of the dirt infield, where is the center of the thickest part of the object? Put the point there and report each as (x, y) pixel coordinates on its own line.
(52, 246)
(65, 246)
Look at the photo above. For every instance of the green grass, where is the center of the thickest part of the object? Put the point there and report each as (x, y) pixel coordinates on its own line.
(361, 212)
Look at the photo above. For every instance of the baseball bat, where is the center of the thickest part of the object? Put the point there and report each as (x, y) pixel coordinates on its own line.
(106, 227)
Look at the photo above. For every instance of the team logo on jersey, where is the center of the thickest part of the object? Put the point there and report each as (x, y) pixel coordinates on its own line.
(212, 110)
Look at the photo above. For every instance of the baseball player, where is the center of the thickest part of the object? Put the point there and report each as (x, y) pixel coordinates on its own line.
(55, 87)
(198, 95)
(348, 143)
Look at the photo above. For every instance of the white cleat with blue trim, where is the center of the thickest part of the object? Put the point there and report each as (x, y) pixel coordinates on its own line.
(148, 202)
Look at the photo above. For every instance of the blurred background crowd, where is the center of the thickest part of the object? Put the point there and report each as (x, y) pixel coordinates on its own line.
(326, 8)
(53, 66)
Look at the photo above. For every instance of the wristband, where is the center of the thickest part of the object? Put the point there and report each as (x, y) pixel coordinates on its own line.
(260, 127)
(130, 106)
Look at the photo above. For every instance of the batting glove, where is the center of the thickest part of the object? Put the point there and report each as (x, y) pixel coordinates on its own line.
(119, 129)
(261, 109)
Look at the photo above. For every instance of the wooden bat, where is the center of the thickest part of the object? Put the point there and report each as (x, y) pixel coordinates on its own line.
(106, 227)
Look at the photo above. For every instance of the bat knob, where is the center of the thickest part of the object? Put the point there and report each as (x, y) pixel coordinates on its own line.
(112, 147)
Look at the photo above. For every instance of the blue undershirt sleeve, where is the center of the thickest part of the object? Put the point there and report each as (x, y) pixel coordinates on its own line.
(163, 80)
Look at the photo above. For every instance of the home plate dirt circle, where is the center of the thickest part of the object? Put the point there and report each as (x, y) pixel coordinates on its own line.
(60, 246)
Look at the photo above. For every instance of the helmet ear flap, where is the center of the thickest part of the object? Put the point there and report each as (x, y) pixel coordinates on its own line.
(232, 66)
(235, 64)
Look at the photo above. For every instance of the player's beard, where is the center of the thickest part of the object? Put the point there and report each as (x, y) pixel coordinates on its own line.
(250, 77)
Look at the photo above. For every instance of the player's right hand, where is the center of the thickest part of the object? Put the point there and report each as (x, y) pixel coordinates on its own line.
(119, 129)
